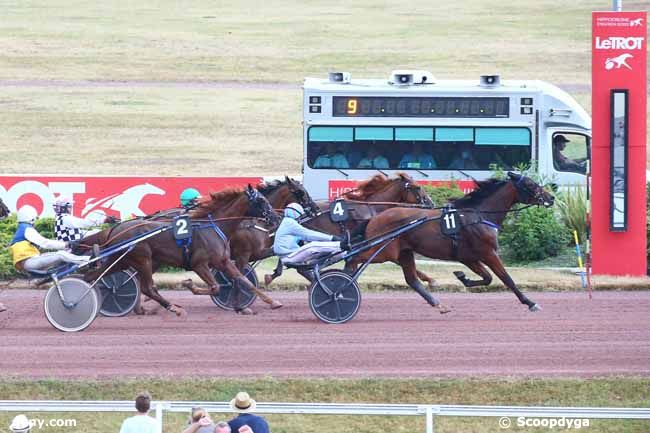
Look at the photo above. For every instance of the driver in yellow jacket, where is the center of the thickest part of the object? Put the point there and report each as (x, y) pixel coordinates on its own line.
(27, 241)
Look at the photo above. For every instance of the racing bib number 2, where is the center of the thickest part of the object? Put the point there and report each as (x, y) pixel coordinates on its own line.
(182, 228)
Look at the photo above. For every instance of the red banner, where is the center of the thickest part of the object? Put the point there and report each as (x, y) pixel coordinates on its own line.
(619, 62)
(338, 187)
(122, 197)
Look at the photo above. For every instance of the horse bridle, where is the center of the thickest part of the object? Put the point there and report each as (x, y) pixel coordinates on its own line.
(415, 190)
(267, 215)
(301, 195)
(522, 188)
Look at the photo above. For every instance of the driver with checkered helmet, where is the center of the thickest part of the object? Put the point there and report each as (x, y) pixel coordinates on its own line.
(27, 242)
(69, 228)
(290, 233)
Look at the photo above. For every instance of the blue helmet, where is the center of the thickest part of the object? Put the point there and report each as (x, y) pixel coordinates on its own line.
(293, 211)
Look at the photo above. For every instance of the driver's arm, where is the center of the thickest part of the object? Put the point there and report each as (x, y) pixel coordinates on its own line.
(306, 234)
(47, 244)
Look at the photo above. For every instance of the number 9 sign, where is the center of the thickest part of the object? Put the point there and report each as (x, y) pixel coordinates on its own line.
(339, 211)
(182, 228)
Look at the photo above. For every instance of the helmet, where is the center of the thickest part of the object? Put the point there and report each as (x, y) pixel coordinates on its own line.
(27, 214)
(20, 424)
(62, 204)
(293, 210)
(189, 196)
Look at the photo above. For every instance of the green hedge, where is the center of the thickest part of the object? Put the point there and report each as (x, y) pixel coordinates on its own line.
(45, 226)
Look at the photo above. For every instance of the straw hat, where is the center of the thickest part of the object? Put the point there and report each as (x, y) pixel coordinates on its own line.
(242, 403)
(20, 424)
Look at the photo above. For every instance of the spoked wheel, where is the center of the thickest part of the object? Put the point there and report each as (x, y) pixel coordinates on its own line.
(80, 307)
(226, 295)
(336, 298)
(120, 292)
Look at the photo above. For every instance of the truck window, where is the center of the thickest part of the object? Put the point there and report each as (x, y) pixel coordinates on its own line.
(570, 152)
(417, 148)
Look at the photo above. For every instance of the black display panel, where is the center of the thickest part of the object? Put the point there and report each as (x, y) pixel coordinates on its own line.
(388, 106)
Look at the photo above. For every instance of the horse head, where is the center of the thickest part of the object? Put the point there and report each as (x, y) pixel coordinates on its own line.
(530, 192)
(259, 206)
(411, 192)
(300, 195)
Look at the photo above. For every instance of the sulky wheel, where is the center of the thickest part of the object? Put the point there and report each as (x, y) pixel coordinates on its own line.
(226, 296)
(120, 292)
(336, 298)
(80, 307)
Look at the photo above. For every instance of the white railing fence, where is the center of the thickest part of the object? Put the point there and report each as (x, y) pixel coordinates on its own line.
(429, 411)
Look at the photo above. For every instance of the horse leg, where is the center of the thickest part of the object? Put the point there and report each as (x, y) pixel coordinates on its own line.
(204, 272)
(407, 262)
(241, 263)
(479, 269)
(146, 279)
(268, 278)
(494, 262)
(431, 282)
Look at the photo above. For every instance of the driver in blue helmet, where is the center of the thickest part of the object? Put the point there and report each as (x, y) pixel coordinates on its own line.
(290, 233)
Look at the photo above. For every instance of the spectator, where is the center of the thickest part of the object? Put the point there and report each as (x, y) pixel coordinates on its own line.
(332, 158)
(417, 159)
(20, 424)
(464, 160)
(200, 422)
(141, 422)
(245, 405)
(373, 159)
(222, 427)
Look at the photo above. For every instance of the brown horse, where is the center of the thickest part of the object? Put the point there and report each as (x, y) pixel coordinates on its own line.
(208, 249)
(481, 212)
(370, 198)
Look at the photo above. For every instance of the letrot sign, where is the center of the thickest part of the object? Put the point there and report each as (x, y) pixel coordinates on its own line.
(619, 93)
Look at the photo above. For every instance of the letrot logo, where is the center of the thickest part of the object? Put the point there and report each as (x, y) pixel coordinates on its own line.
(636, 23)
(127, 203)
(619, 43)
(618, 61)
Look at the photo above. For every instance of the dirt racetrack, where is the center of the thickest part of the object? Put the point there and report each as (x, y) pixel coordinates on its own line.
(394, 335)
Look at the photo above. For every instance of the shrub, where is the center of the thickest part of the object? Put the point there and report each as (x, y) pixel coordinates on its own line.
(533, 234)
(572, 209)
(45, 226)
(440, 195)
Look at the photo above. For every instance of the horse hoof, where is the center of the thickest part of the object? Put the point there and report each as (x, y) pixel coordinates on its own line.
(178, 310)
(534, 308)
(275, 305)
(4, 308)
(214, 291)
(246, 312)
(187, 284)
(268, 279)
(443, 309)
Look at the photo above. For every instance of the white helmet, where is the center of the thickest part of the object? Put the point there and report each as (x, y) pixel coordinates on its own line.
(293, 210)
(27, 214)
(62, 203)
(20, 424)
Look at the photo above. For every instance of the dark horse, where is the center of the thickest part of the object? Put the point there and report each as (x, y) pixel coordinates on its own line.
(208, 249)
(370, 198)
(481, 213)
(4, 210)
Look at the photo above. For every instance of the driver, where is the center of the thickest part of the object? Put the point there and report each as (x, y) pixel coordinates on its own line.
(563, 162)
(290, 233)
(70, 228)
(27, 241)
(190, 198)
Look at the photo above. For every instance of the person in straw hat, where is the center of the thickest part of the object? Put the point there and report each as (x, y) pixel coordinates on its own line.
(244, 405)
(20, 424)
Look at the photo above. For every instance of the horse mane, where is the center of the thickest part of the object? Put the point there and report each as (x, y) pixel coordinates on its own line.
(368, 187)
(266, 188)
(485, 188)
(216, 200)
